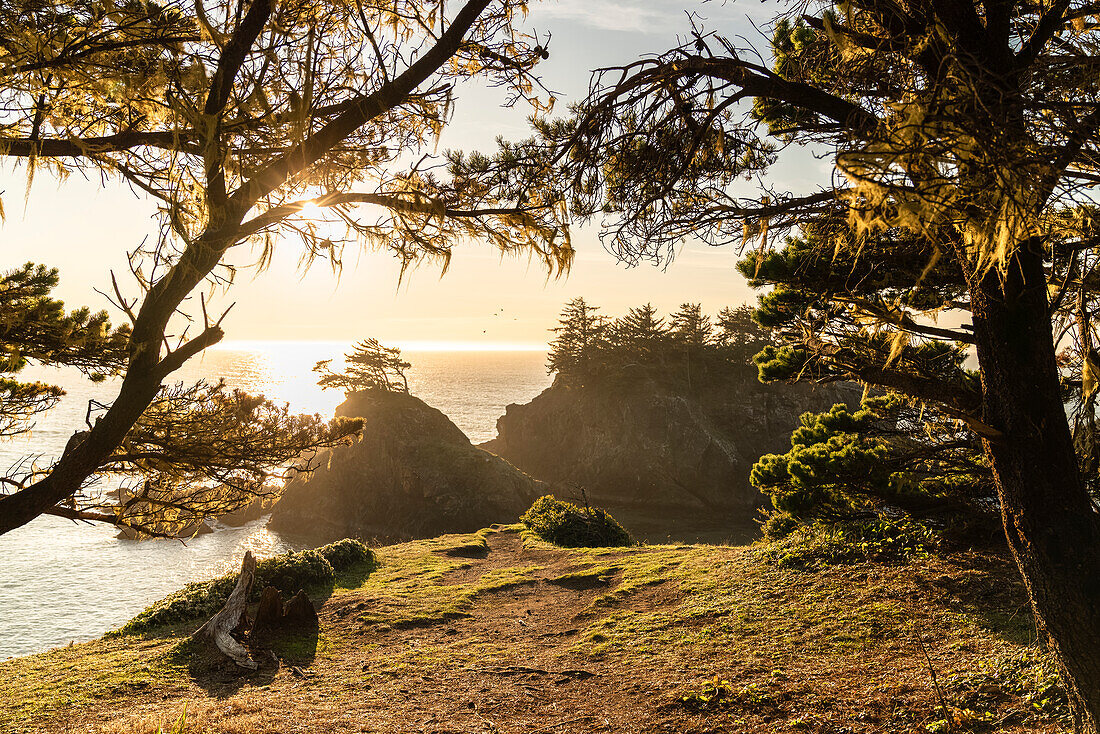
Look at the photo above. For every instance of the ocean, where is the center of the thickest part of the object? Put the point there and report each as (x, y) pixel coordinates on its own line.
(62, 581)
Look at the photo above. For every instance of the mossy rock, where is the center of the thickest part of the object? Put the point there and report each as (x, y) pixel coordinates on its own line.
(565, 524)
(289, 573)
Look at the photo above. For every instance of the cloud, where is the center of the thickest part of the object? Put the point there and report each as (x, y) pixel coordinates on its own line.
(607, 16)
(646, 16)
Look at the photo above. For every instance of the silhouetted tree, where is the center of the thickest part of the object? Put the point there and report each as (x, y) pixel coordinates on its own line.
(739, 335)
(369, 366)
(196, 451)
(641, 334)
(588, 346)
(201, 451)
(580, 335)
(690, 326)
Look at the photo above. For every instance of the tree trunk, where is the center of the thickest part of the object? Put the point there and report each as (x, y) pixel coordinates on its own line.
(1051, 525)
(219, 628)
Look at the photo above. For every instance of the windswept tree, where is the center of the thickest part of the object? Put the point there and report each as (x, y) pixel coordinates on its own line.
(198, 451)
(368, 366)
(250, 123)
(892, 455)
(965, 138)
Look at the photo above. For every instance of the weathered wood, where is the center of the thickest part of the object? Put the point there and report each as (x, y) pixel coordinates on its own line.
(269, 614)
(299, 611)
(220, 627)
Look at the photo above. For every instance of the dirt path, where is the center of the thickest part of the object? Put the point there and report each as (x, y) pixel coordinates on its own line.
(482, 634)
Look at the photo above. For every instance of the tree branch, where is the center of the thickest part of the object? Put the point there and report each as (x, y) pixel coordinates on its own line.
(361, 110)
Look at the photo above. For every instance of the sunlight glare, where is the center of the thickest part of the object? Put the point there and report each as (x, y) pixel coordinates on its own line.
(312, 210)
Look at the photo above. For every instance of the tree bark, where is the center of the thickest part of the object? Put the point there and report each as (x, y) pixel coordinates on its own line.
(1052, 527)
(219, 628)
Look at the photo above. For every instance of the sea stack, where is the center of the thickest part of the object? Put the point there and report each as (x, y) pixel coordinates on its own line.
(411, 473)
(653, 445)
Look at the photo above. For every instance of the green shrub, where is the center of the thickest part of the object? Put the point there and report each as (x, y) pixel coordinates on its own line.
(712, 695)
(815, 546)
(1030, 675)
(310, 569)
(565, 524)
(293, 571)
(719, 693)
(194, 601)
(346, 553)
(778, 525)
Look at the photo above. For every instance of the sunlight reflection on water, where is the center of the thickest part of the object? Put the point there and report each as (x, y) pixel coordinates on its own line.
(60, 581)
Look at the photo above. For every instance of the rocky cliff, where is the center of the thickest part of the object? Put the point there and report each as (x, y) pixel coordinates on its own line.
(644, 444)
(411, 473)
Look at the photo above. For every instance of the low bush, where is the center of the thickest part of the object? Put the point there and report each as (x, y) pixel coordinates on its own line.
(1029, 674)
(347, 553)
(762, 697)
(777, 525)
(290, 572)
(819, 545)
(293, 571)
(565, 524)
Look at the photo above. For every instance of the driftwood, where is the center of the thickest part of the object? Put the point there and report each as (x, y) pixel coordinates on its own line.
(220, 627)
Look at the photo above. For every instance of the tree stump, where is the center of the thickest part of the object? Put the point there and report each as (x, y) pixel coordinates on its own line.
(300, 612)
(270, 612)
(232, 616)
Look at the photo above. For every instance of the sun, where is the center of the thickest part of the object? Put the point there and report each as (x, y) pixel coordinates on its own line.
(312, 210)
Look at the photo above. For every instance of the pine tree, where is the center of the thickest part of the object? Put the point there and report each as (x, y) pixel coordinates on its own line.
(196, 451)
(574, 351)
(891, 455)
(247, 123)
(964, 138)
(690, 326)
(36, 328)
(640, 335)
(739, 336)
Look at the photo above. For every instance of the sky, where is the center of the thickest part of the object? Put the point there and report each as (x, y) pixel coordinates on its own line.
(84, 227)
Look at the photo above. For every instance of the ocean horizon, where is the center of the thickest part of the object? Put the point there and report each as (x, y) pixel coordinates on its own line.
(104, 581)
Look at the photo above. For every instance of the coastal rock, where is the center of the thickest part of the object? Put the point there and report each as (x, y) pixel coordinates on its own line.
(191, 531)
(252, 511)
(411, 473)
(642, 444)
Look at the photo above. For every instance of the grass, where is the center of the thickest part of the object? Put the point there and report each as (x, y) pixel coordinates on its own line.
(501, 627)
(346, 562)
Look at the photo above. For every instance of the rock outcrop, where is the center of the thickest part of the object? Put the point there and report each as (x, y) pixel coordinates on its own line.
(643, 444)
(411, 473)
